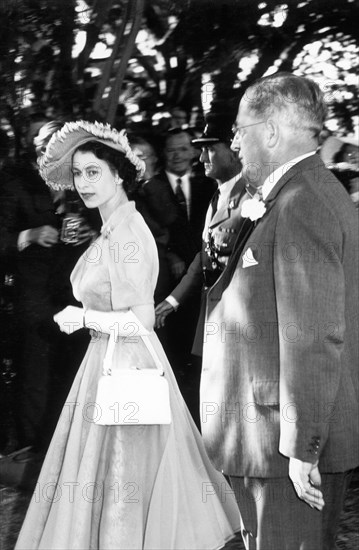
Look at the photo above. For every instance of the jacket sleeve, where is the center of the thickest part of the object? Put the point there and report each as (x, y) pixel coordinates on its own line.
(159, 201)
(191, 283)
(310, 292)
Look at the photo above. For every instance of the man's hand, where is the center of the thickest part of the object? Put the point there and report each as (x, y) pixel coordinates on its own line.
(162, 310)
(306, 479)
(45, 235)
(70, 319)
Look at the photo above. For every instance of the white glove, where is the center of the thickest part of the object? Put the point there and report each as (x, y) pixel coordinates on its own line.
(117, 323)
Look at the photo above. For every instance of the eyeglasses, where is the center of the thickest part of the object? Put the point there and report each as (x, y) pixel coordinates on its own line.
(236, 129)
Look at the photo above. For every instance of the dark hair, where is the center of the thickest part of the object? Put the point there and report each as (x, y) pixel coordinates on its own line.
(173, 132)
(117, 161)
(138, 140)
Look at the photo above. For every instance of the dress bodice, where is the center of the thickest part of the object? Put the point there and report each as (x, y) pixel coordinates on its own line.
(120, 268)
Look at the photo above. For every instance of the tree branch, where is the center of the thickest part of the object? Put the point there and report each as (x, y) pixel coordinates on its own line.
(106, 75)
(136, 17)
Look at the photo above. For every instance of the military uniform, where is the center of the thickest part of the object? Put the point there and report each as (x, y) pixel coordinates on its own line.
(219, 236)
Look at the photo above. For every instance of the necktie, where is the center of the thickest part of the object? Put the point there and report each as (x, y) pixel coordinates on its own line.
(180, 196)
(214, 203)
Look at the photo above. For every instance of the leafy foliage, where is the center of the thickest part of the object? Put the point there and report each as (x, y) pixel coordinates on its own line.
(54, 56)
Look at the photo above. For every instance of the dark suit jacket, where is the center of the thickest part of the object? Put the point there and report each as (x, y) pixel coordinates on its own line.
(153, 201)
(45, 359)
(42, 274)
(26, 203)
(185, 236)
(280, 365)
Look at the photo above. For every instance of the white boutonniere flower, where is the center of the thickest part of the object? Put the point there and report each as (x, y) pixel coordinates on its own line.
(253, 208)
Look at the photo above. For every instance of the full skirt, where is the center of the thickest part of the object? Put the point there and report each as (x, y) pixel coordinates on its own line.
(127, 487)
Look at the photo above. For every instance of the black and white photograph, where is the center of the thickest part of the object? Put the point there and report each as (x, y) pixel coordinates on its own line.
(179, 275)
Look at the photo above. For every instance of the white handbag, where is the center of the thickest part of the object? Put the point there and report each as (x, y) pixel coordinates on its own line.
(132, 397)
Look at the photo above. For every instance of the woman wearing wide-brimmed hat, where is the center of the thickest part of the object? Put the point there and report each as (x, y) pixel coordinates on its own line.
(115, 486)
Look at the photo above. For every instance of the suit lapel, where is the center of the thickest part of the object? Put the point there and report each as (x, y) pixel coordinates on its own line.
(245, 228)
(224, 213)
(163, 176)
(310, 163)
(244, 231)
(194, 196)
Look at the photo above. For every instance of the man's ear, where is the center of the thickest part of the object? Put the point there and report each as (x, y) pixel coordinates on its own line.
(272, 135)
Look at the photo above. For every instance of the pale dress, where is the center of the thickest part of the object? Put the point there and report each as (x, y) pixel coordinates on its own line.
(125, 487)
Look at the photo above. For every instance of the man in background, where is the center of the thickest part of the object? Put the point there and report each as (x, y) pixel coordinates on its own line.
(187, 199)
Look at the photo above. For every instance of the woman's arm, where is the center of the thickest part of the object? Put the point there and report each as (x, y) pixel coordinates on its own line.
(139, 318)
(136, 321)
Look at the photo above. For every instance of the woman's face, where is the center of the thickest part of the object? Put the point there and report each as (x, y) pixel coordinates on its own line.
(93, 179)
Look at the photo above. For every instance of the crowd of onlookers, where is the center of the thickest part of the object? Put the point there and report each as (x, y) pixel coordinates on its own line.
(43, 233)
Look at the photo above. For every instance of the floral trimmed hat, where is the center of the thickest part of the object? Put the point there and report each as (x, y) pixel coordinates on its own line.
(55, 164)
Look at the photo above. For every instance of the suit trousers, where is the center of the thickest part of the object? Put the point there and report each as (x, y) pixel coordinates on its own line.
(274, 518)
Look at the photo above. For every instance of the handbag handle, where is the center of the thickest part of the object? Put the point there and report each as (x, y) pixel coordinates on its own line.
(107, 361)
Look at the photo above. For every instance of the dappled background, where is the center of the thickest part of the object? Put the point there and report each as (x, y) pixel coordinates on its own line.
(132, 61)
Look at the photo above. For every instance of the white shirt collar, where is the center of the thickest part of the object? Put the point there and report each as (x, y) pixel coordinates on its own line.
(172, 178)
(275, 176)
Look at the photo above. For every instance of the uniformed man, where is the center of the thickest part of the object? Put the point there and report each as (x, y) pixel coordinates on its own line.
(222, 219)
(221, 225)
